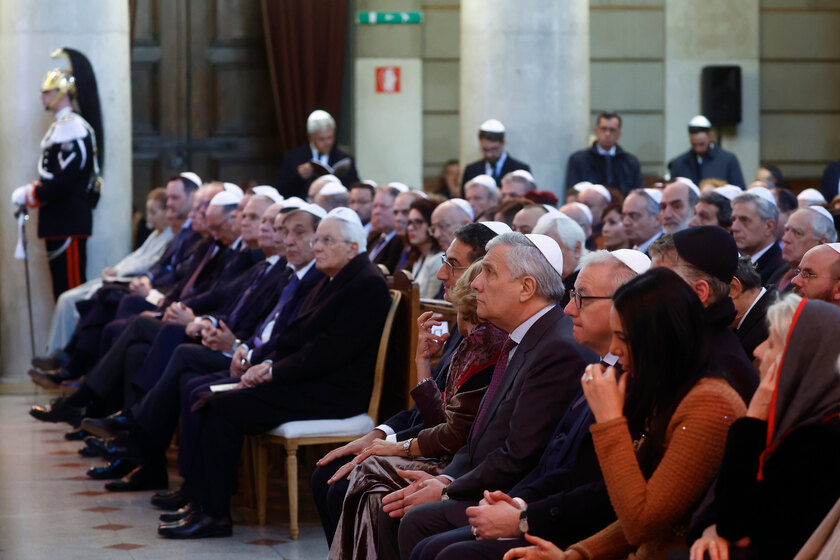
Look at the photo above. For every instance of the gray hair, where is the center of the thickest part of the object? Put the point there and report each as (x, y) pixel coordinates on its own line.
(620, 273)
(332, 201)
(350, 232)
(529, 185)
(822, 226)
(766, 209)
(319, 121)
(652, 205)
(780, 315)
(524, 259)
(564, 231)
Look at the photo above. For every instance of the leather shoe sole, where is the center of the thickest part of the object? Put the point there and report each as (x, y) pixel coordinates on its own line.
(179, 515)
(169, 501)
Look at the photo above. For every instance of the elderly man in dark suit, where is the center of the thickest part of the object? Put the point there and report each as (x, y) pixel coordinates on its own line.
(467, 247)
(298, 170)
(322, 368)
(754, 220)
(535, 380)
(751, 302)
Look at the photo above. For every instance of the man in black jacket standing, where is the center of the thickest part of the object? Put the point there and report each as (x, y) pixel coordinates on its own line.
(497, 162)
(605, 163)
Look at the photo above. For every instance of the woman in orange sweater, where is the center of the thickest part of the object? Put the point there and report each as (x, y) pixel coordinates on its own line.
(660, 429)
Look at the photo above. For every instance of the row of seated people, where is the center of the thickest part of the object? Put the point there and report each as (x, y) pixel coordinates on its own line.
(522, 407)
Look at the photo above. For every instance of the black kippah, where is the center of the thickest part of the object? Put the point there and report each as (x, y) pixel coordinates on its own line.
(709, 248)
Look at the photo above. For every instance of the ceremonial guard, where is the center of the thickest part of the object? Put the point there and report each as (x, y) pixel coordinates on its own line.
(69, 182)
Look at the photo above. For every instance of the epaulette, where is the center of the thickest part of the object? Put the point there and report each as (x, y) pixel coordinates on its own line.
(69, 128)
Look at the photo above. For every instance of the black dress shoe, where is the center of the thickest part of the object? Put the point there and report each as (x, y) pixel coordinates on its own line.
(142, 478)
(76, 435)
(197, 526)
(58, 412)
(120, 447)
(56, 360)
(178, 515)
(49, 379)
(169, 501)
(109, 426)
(113, 470)
(89, 452)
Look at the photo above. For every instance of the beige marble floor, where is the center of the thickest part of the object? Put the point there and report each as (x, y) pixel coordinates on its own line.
(50, 510)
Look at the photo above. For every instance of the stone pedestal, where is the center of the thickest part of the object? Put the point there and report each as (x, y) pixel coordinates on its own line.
(526, 63)
(29, 31)
(699, 34)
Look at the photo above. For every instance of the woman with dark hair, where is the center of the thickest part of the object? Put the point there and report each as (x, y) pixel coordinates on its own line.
(779, 475)
(660, 429)
(425, 252)
(612, 232)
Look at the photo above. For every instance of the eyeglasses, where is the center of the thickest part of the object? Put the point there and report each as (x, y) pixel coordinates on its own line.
(806, 275)
(326, 241)
(575, 295)
(452, 268)
(417, 224)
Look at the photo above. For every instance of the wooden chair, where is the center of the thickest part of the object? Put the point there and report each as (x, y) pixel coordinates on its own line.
(293, 435)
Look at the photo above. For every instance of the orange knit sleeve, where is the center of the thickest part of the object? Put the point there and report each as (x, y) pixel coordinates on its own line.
(649, 510)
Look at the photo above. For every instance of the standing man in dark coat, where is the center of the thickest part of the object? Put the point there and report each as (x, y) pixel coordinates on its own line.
(67, 187)
(497, 162)
(605, 163)
(317, 157)
(830, 184)
(705, 159)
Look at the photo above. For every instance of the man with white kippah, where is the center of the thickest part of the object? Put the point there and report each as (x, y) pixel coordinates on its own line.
(810, 197)
(805, 229)
(534, 382)
(526, 219)
(705, 159)
(298, 169)
(332, 195)
(516, 184)
(482, 192)
(677, 207)
(818, 274)
(572, 241)
(605, 162)
(830, 182)
(596, 197)
(269, 191)
(641, 217)
(754, 219)
(582, 215)
(713, 209)
(496, 162)
(448, 217)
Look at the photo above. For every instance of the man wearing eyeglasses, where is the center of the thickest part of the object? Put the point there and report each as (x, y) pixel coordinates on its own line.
(805, 229)
(466, 247)
(818, 275)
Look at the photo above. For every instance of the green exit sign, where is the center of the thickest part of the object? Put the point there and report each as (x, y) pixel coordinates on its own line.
(392, 18)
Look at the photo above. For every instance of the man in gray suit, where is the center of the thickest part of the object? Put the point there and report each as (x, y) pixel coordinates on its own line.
(533, 383)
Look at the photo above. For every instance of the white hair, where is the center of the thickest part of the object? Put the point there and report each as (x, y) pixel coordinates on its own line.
(318, 121)
(564, 230)
(780, 315)
(620, 273)
(350, 232)
(524, 259)
(766, 209)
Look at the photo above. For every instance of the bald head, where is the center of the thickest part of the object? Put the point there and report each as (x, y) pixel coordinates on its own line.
(447, 218)
(819, 274)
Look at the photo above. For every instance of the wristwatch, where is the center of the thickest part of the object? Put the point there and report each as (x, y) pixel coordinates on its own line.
(444, 495)
(407, 448)
(523, 521)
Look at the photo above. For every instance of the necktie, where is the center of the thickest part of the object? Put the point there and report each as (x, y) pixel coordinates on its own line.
(378, 247)
(191, 282)
(241, 301)
(608, 160)
(784, 281)
(498, 372)
(271, 318)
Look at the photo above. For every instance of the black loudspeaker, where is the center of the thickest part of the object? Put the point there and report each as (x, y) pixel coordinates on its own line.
(722, 94)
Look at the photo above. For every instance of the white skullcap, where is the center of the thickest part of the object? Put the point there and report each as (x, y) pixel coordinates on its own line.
(421, 194)
(763, 192)
(492, 125)
(345, 214)
(552, 209)
(811, 196)
(234, 189)
(269, 191)
(369, 182)
(729, 191)
(524, 174)
(689, 183)
(635, 260)
(699, 122)
(655, 194)
(293, 202)
(549, 249)
(821, 211)
(463, 205)
(600, 189)
(582, 186)
(835, 246)
(332, 188)
(225, 198)
(555, 216)
(190, 176)
(485, 180)
(402, 187)
(587, 212)
(497, 227)
(315, 210)
(330, 179)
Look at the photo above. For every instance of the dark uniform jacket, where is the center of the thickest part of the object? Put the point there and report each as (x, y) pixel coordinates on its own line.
(717, 164)
(589, 165)
(477, 168)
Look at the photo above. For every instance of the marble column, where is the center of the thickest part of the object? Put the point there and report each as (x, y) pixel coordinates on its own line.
(29, 31)
(713, 32)
(526, 63)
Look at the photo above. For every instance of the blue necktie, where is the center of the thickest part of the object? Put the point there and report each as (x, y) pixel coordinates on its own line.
(241, 301)
(285, 296)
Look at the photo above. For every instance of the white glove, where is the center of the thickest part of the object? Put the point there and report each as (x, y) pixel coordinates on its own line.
(19, 195)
